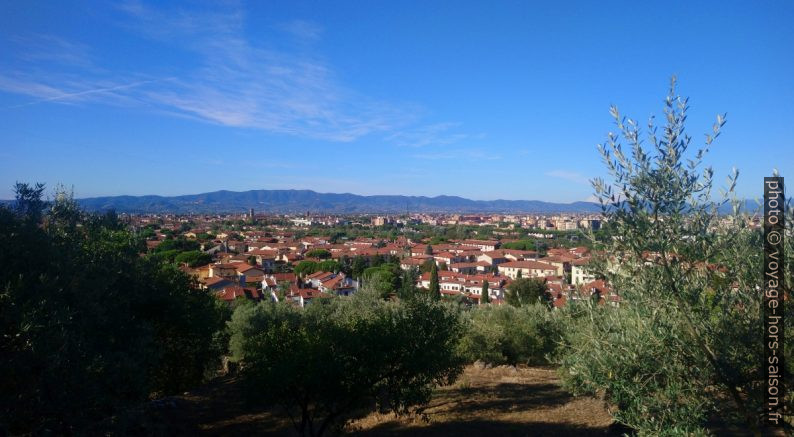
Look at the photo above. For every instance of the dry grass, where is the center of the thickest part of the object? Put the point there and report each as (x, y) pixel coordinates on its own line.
(496, 402)
(501, 401)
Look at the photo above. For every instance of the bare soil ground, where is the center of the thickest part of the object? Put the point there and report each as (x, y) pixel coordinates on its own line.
(500, 401)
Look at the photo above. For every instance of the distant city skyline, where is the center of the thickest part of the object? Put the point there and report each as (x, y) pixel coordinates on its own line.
(482, 101)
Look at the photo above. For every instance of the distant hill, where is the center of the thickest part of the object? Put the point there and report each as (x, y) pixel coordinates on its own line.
(299, 201)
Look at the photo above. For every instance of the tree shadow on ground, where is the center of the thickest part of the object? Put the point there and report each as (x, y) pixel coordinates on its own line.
(491, 428)
(505, 397)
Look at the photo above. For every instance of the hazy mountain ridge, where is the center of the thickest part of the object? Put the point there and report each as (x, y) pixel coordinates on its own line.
(299, 201)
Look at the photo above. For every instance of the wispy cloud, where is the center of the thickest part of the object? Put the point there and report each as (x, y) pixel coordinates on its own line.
(58, 95)
(438, 134)
(302, 29)
(232, 81)
(51, 48)
(241, 84)
(50, 69)
(458, 154)
(571, 176)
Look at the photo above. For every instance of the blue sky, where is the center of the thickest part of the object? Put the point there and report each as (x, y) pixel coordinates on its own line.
(484, 100)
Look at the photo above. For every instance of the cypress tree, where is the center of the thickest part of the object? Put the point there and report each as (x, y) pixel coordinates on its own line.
(435, 288)
(484, 297)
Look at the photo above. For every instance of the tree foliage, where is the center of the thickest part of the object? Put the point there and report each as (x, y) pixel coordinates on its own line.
(526, 291)
(384, 279)
(325, 363)
(520, 245)
(318, 253)
(508, 335)
(308, 267)
(87, 325)
(485, 296)
(435, 287)
(179, 244)
(193, 258)
(685, 344)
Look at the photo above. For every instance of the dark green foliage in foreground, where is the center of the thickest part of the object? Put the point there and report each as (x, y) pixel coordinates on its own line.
(325, 363)
(87, 325)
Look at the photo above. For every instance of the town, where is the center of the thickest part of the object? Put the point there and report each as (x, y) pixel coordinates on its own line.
(309, 257)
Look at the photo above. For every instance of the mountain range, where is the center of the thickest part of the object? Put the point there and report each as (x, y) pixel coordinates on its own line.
(300, 201)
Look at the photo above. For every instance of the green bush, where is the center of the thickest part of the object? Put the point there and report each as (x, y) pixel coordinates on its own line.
(318, 253)
(634, 360)
(520, 245)
(508, 335)
(385, 278)
(308, 267)
(325, 363)
(179, 244)
(527, 291)
(193, 258)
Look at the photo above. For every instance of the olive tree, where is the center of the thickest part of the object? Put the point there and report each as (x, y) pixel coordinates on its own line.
(325, 363)
(526, 291)
(685, 344)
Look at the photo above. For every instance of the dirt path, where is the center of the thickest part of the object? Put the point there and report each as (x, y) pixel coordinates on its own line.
(501, 401)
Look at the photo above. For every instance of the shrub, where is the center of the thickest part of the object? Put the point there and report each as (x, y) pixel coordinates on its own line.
(385, 278)
(318, 253)
(634, 360)
(193, 258)
(179, 244)
(506, 334)
(325, 363)
(308, 267)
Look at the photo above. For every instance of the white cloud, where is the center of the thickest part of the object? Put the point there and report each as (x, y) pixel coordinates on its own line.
(465, 154)
(438, 134)
(51, 48)
(571, 176)
(592, 198)
(231, 82)
(302, 29)
(58, 95)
